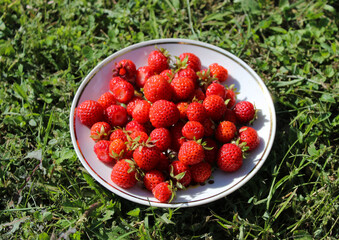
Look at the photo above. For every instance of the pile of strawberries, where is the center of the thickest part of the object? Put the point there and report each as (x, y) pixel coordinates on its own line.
(169, 124)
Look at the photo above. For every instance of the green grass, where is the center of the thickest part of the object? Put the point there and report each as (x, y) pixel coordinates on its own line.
(46, 49)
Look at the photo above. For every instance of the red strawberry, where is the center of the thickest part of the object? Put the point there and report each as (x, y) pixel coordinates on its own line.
(135, 126)
(163, 163)
(201, 172)
(196, 112)
(209, 127)
(146, 158)
(158, 60)
(125, 69)
(101, 149)
(163, 192)
(153, 178)
(124, 174)
(191, 152)
(182, 107)
(183, 88)
(141, 111)
(230, 116)
(142, 136)
(245, 112)
(116, 115)
(215, 107)
(117, 149)
(114, 80)
(225, 131)
(167, 74)
(199, 95)
(249, 136)
(161, 138)
(180, 173)
(157, 88)
(216, 88)
(130, 106)
(123, 91)
(188, 73)
(176, 135)
(193, 130)
(211, 150)
(144, 73)
(193, 61)
(218, 72)
(100, 131)
(163, 113)
(231, 96)
(229, 157)
(204, 76)
(106, 99)
(90, 112)
(118, 134)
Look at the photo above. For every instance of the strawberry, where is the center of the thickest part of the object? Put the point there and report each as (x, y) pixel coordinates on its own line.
(230, 116)
(100, 131)
(216, 88)
(143, 73)
(159, 60)
(141, 111)
(161, 138)
(123, 91)
(101, 149)
(125, 69)
(157, 88)
(211, 150)
(225, 131)
(182, 107)
(245, 112)
(231, 96)
(146, 158)
(193, 130)
(180, 173)
(218, 72)
(118, 134)
(188, 73)
(116, 115)
(193, 61)
(139, 136)
(183, 88)
(117, 149)
(163, 163)
(176, 136)
(196, 112)
(201, 172)
(135, 126)
(124, 174)
(168, 74)
(114, 81)
(229, 158)
(106, 99)
(249, 136)
(90, 112)
(215, 107)
(153, 178)
(131, 104)
(198, 95)
(209, 127)
(163, 113)
(191, 152)
(205, 78)
(163, 192)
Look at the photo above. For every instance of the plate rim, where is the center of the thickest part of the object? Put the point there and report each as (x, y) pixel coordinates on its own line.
(149, 202)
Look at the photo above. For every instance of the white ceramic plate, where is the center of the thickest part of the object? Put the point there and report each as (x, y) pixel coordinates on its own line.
(247, 82)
